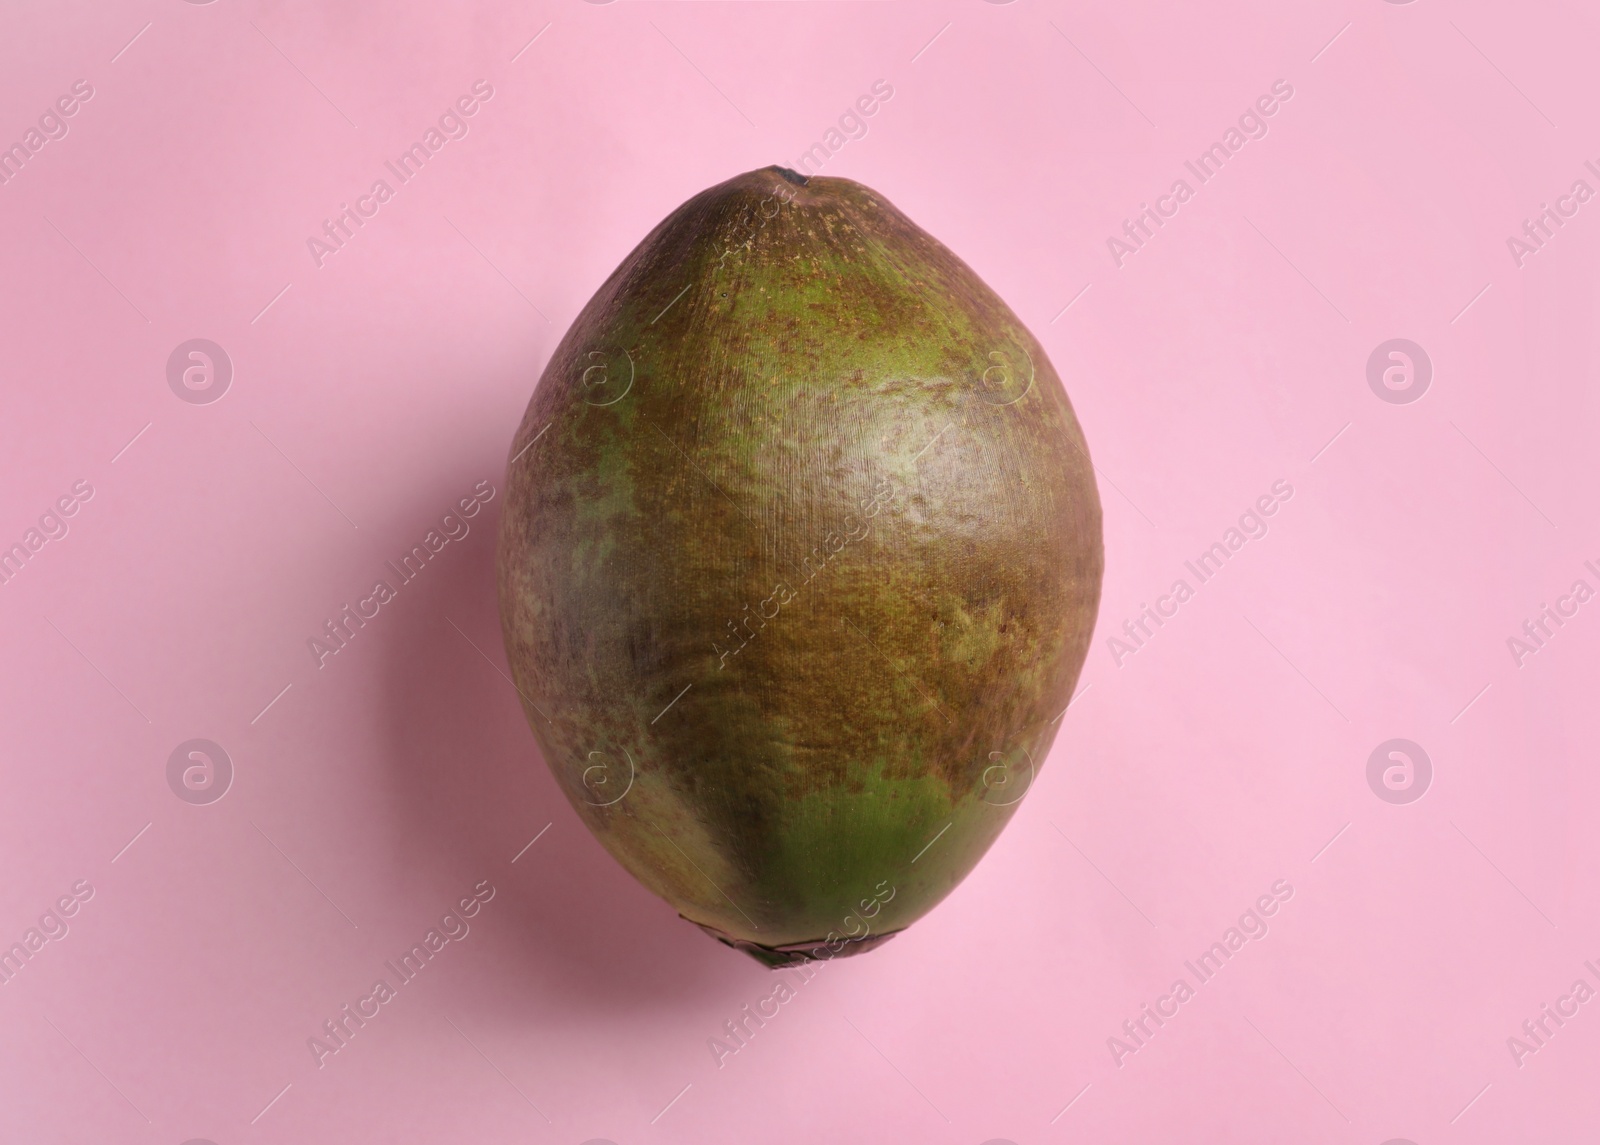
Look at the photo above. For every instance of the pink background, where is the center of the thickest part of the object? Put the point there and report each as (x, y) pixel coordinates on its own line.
(373, 392)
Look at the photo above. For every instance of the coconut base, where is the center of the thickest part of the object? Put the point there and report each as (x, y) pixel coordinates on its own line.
(798, 953)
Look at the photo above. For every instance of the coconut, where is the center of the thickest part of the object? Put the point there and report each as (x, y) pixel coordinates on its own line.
(798, 566)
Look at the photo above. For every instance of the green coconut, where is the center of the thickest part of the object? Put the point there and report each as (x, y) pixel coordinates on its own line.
(799, 563)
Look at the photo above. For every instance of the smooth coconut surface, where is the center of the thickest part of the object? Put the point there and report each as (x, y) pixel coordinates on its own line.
(799, 564)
